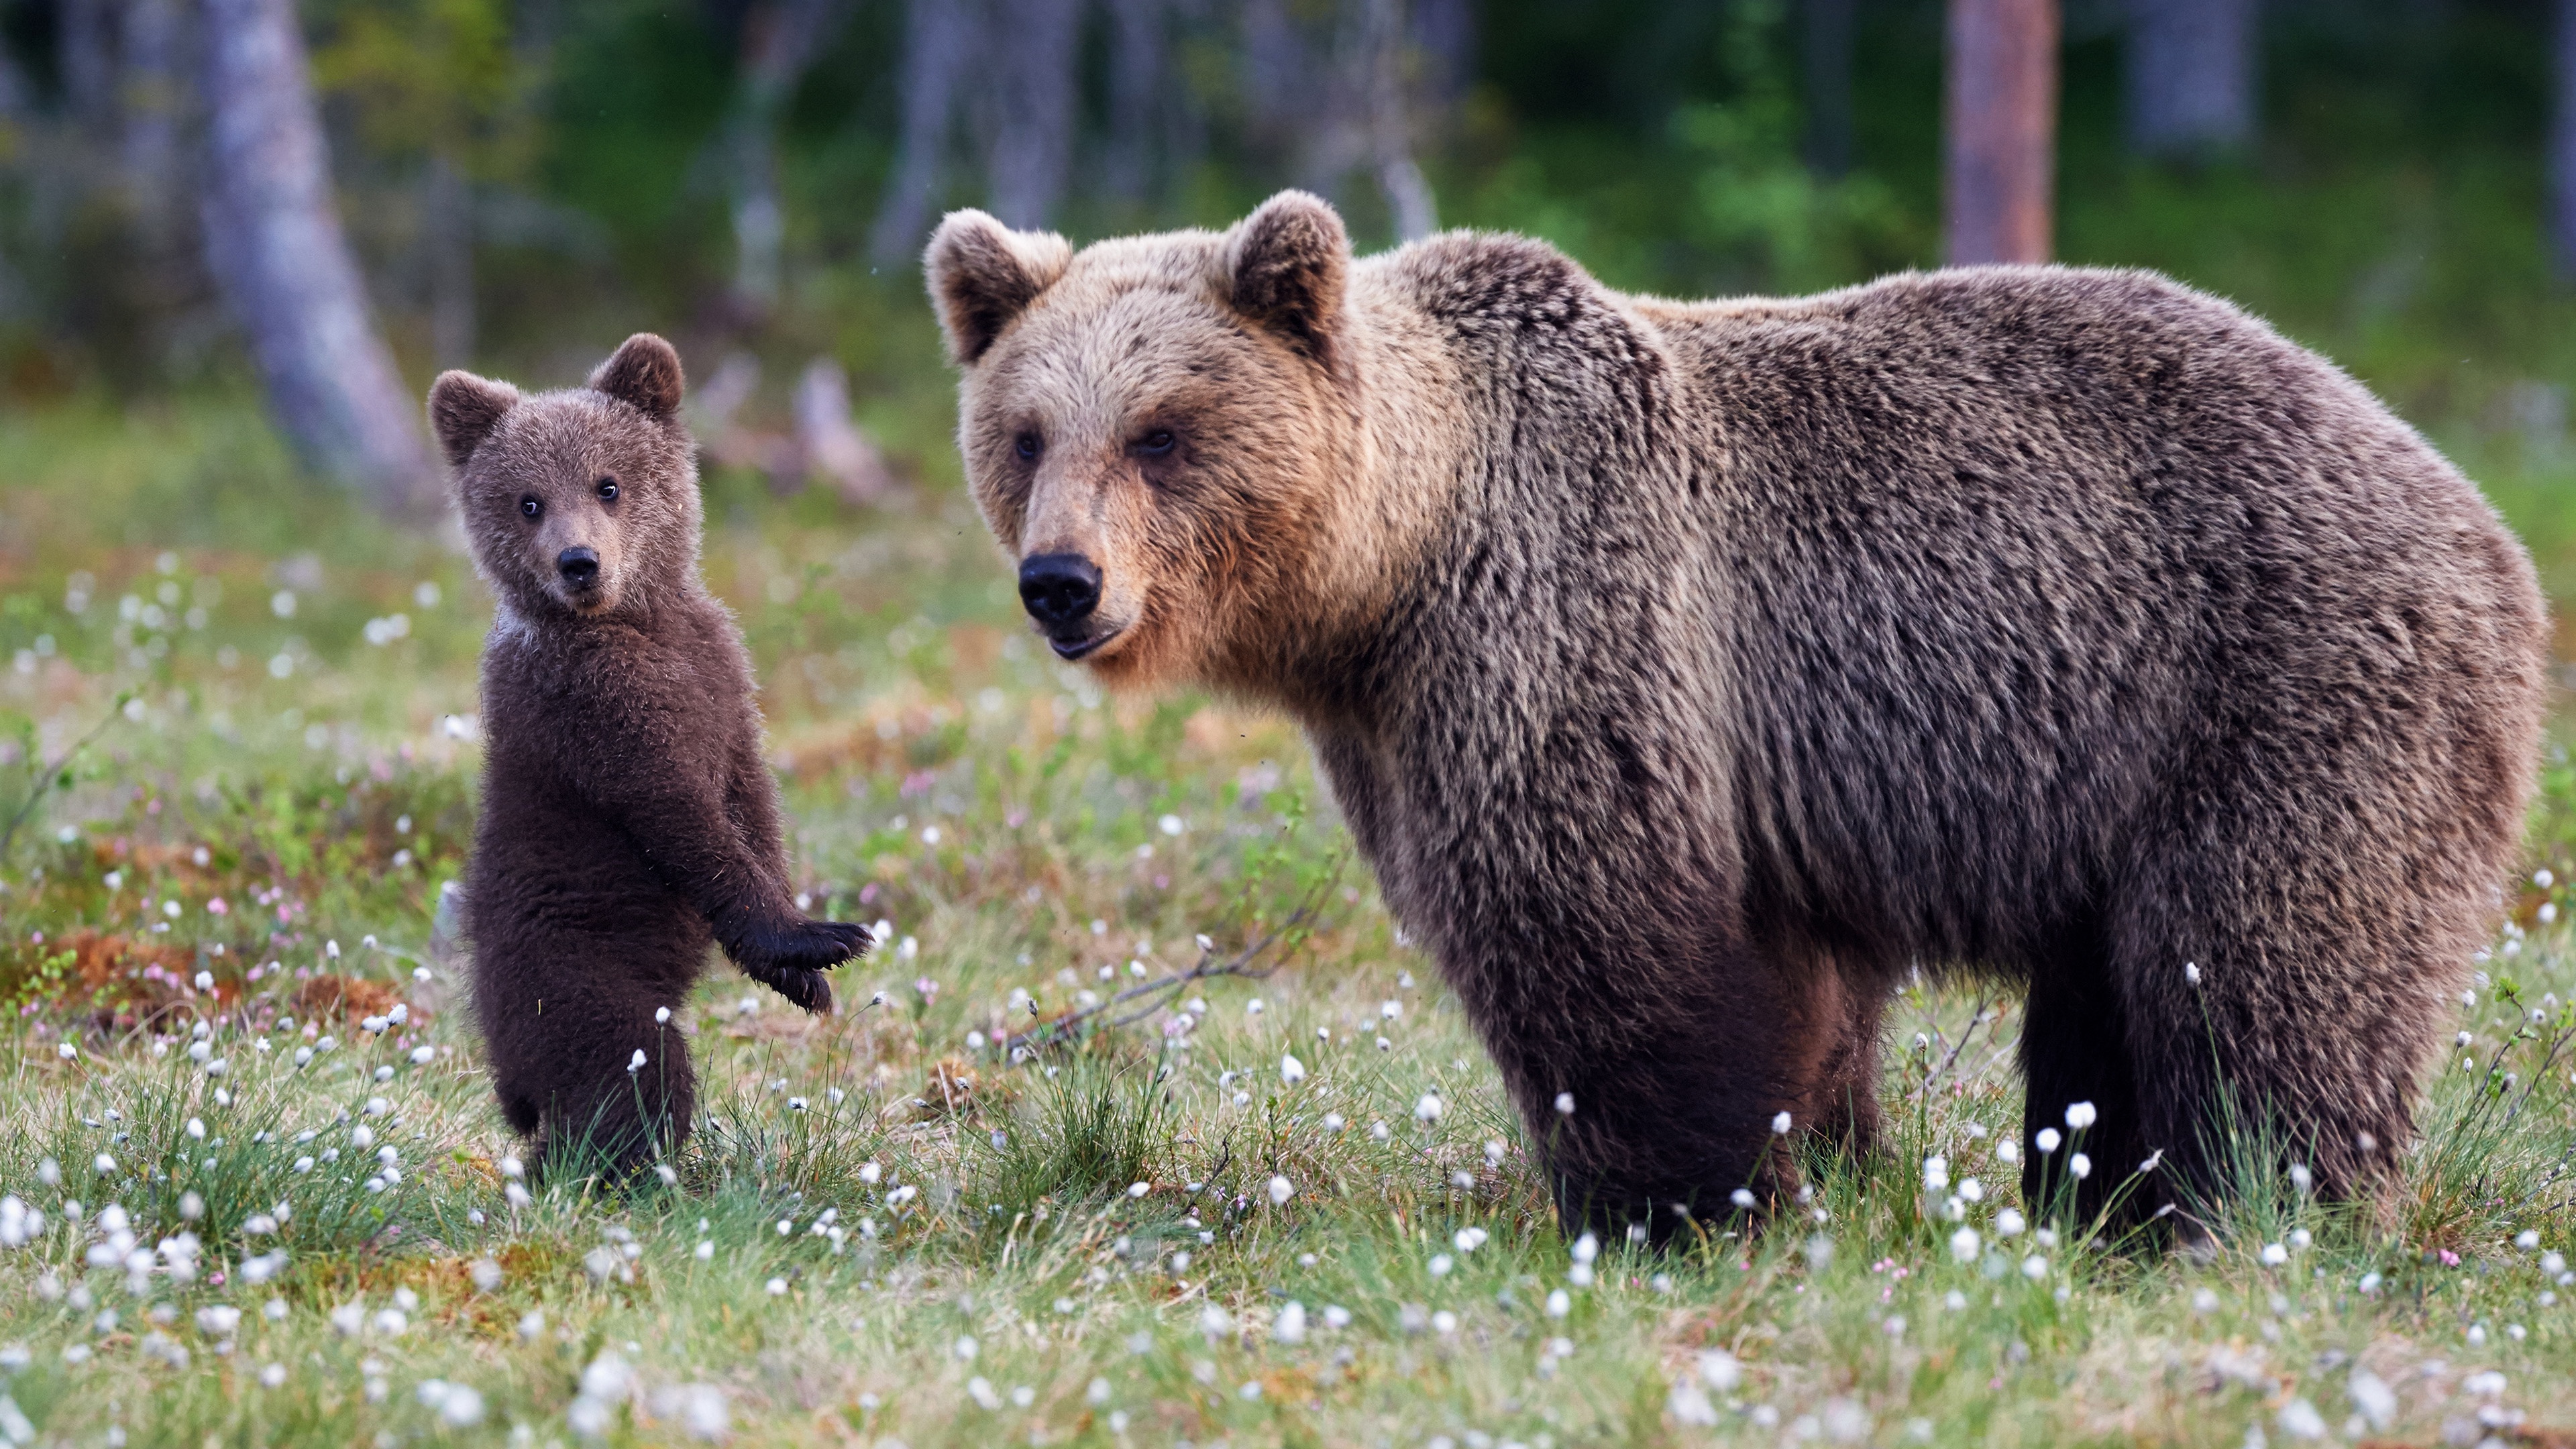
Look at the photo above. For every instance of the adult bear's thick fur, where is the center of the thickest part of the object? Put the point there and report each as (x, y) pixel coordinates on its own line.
(1689, 671)
(628, 815)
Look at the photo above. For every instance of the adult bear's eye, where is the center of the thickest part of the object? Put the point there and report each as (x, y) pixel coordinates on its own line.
(530, 506)
(607, 490)
(1155, 443)
(1029, 445)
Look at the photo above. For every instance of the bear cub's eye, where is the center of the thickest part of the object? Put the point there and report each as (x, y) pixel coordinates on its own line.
(530, 506)
(607, 490)
(1028, 445)
(1155, 443)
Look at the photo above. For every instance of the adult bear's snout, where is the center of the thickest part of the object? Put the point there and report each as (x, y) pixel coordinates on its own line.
(1059, 589)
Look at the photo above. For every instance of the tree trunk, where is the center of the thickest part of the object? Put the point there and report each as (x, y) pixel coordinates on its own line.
(2002, 102)
(2562, 141)
(1033, 108)
(1827, 55)
(938, 39)
(448, 213)
(2191, 67)
(780, 43)
(1408, 194)
(274, 244)
(1138, 94)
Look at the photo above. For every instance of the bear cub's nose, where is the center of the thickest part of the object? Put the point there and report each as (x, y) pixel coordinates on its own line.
(1059, 588)
(579, 566)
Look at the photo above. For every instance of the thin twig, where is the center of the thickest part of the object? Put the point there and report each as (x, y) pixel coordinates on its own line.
(1208, 967)
(43, 778)
(1975, 1019)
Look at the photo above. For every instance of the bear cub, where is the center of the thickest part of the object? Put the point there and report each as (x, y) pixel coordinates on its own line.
(628, 818)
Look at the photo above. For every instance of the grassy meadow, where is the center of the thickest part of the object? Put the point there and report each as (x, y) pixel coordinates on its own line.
(1268, 1193)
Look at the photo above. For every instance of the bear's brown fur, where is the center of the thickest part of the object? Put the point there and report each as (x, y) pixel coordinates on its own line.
(1690, 671)
(628, 817)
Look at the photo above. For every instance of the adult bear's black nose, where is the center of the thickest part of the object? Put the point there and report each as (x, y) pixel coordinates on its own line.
(1059, 588)
(579, 566)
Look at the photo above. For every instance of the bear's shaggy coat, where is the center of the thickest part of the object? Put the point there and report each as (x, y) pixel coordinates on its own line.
(1691, 671)
(628, 816)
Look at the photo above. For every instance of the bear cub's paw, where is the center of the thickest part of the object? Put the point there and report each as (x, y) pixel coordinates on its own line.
(792, 958)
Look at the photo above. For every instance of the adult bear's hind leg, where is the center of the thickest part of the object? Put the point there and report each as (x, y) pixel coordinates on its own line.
(2075, 1056)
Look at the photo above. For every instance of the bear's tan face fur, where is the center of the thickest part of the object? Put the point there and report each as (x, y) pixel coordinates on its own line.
(1143, 413)
(581, 502)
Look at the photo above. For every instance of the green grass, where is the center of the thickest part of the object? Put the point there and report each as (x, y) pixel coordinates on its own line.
(963, 1260)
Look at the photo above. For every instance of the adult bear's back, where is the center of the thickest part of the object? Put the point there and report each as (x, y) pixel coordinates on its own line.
(2016, 556)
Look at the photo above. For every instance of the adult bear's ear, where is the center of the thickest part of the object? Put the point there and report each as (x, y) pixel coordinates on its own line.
(643, 371)
(463, 411)
(1288, 266)
(983, 275)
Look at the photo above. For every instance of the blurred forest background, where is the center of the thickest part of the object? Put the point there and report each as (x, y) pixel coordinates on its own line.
(322, 204)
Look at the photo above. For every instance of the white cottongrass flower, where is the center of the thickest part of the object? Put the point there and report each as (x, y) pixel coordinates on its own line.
(981, 1390)
(66, 1051)
(2080, 1115)
(2008, 1224)
(661, 1016)
(1288, 1327)
(2274, 1255)
(2299, 1419)
(1559, 1304)
(1291, 1070)
(2047, 1140)
(1468, 1240)
(635, 1063)
(1936, 1173)
(1441, 1263)
(2191, 972)
(2034, 1267)
(1429, 1108)
(1280, 1191)
(2080, 1165)
(1586, 1248)
(1964, 1245)
(965, 1348)
(1139, 1189)
(1688, 1404)
(1742, 1197)
(1565, 1104)
(1780, 1124)
(2373, 1398)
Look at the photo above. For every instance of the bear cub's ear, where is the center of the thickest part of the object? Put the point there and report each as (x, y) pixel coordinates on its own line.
(1288, 265)
(463, 411)
(983, 275)
(645, 372)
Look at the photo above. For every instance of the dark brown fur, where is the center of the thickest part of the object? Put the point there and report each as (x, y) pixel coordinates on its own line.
(1689, 672)
(628, 817)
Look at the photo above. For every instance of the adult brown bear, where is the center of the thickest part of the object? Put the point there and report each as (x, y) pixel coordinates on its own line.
(1689, 671)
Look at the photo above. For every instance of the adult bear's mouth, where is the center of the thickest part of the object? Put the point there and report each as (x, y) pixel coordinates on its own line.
(1073, 649)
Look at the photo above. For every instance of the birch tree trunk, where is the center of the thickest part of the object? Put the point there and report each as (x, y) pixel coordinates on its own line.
(2190, 71)
(2002, 123)
(1827, 58)
(2562, 141)
(937, 37)
(274, 244)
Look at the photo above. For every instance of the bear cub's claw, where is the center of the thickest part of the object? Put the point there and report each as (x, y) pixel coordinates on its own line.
(792, 961)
